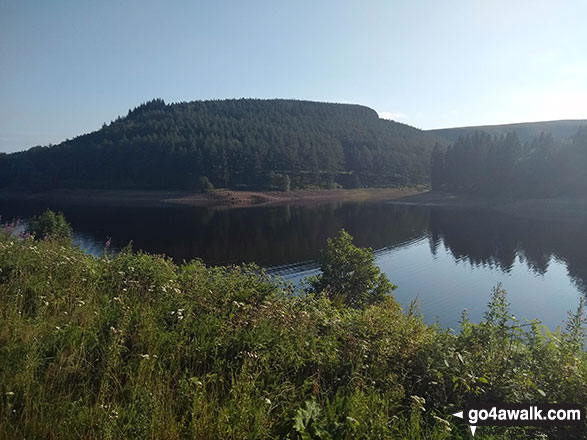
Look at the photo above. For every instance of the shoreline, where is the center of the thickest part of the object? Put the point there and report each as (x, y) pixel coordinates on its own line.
(225, 199)
(561, 208)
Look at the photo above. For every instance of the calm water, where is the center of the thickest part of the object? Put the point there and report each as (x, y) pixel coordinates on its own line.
(447, 259)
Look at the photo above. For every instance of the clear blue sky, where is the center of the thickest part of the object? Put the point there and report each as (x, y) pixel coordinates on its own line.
(66, 67)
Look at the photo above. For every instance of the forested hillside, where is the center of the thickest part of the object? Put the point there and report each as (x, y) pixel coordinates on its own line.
(244, 143)
(526, 131)
(504, 166)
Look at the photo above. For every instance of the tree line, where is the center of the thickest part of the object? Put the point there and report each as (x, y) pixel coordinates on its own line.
(502, 166)
(238, 143)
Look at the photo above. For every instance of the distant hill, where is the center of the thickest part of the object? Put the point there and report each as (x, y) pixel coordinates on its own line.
(236, 143)
(526, 131)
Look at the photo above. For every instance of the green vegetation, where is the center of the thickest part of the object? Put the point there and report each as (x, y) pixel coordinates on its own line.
(349, 275)
(50, 225)
(502, 166)
(205, 184)
(134, 347)
(237, 143)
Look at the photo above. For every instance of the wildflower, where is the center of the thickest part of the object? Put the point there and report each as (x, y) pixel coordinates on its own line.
(444, 423)
(251, 354)
(419, 402)
(107, 245)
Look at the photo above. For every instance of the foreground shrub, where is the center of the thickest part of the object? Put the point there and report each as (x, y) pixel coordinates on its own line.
(50, 225)
(349, 274)
(135, 347)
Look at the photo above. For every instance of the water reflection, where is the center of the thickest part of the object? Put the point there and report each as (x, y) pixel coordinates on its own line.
(269, 236)
(496, 240)
(284, 236)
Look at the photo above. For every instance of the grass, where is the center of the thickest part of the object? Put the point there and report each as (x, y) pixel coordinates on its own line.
(136, 347)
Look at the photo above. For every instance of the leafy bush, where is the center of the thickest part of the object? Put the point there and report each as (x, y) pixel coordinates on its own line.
(280, 182)
(349, 274)
(205, 184)
(50, 225)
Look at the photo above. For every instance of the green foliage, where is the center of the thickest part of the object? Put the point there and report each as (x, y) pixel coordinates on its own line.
(349, 274)
(308, 422)
(134, 347)
(502, 166)
(281, 182)
(205, 184)
(236, 143)
(285, 182)
(50, 225)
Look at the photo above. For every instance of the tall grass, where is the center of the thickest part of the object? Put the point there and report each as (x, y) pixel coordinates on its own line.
(136, 347)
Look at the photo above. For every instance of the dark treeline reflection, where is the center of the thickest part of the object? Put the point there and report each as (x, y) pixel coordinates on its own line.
(268, 236)
(486, 238)
(285, 235)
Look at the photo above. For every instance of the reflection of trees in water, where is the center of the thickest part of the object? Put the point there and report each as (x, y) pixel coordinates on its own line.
(268, 235)
(291, 234)
(287, 234)
(492, 239)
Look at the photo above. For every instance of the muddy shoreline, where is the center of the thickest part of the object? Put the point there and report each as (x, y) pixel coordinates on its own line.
(212, 199)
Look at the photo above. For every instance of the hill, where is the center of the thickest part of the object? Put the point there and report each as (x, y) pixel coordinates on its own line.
(526, 131)
(237, 143)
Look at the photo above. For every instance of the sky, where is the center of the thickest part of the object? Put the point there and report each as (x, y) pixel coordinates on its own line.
(67, 67)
